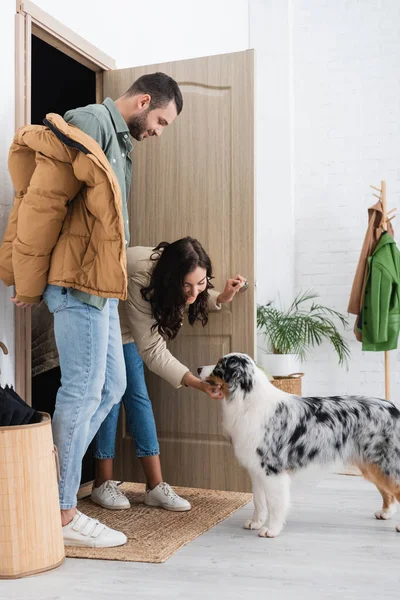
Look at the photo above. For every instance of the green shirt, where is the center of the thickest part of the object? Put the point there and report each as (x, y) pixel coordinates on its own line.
(105, 124)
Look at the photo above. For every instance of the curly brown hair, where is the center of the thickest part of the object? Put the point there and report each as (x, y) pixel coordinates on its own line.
(165, 291)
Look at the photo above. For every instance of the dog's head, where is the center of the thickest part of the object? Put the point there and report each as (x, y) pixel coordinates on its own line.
(231, 373)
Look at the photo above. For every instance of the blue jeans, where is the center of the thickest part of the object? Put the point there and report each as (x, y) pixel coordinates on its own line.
(92, 379)
(139, 413)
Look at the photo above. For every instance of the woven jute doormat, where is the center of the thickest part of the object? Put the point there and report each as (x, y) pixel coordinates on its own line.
(155, 534)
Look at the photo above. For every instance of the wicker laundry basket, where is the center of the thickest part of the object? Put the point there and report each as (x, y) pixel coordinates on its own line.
(31, 538)
(291, 384)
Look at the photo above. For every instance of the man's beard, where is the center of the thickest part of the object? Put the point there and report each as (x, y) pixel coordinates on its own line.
(137, 125)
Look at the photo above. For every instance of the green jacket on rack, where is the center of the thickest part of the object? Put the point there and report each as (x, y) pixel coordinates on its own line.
(380, 315)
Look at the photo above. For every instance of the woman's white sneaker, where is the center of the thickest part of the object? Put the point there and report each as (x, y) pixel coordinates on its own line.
(86, 532)
(108, 495)
(164, 496)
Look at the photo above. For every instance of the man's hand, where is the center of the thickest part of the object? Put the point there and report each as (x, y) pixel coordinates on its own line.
(22, 304)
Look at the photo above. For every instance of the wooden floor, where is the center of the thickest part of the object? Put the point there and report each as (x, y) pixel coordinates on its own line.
(332, 547)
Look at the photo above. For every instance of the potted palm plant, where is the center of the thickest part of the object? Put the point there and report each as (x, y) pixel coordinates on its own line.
(291, 334)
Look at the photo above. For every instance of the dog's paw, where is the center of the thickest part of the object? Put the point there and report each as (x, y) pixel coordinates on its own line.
(386, 513)
(398, 528)
(249, 524)
(268, 532)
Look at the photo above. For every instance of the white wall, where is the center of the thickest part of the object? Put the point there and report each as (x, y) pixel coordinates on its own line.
(6, 194)
(142, 33)
(347, 136)
(270, 36)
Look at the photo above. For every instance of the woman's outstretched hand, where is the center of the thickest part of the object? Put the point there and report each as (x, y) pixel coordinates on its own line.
(214, 391)
(232, 287)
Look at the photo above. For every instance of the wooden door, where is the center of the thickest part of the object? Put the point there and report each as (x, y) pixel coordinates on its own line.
(198, 180)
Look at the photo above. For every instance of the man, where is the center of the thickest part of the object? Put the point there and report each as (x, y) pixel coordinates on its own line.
(65, 241)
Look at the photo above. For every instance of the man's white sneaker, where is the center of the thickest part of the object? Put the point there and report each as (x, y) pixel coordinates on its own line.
(164, 496)
(90, 533)
(108, 495)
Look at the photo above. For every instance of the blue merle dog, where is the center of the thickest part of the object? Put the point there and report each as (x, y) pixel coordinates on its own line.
(275, 434)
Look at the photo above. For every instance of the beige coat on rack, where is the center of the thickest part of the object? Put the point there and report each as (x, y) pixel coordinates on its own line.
(374, 231)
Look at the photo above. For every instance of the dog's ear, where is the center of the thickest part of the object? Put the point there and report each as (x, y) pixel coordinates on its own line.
(236, 369)
(237, 364)
(229, 368)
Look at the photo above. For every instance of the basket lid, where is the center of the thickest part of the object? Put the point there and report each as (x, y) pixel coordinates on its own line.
(291, 376)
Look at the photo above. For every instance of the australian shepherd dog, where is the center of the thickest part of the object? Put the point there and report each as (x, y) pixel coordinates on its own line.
(275, 434)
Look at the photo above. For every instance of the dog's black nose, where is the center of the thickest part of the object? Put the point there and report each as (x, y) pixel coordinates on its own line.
(199, 371)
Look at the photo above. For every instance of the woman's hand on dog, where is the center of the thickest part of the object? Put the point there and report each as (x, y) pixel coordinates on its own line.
(214, 391)
(232, 287)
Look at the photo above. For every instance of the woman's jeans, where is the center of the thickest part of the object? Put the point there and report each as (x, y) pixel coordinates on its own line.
(139, 413)
(93, 379)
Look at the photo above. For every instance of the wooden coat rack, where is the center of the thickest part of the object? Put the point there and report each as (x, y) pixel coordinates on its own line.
(386, 219)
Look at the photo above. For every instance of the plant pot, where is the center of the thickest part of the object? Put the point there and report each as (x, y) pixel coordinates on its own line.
(280, 365)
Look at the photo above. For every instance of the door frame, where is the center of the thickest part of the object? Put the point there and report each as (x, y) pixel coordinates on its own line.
(32, 20)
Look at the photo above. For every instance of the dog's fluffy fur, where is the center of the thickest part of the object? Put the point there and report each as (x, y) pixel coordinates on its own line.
(275, 434)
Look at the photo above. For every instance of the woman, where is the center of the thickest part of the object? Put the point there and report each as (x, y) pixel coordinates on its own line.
(164, 283)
